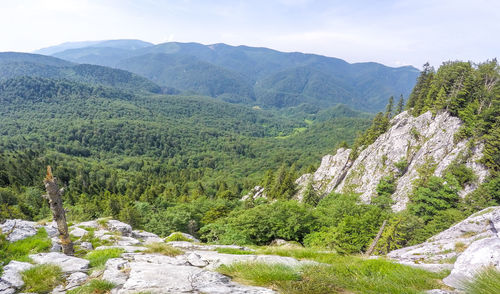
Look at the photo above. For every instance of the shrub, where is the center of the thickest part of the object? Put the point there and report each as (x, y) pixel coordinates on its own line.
(42, 278)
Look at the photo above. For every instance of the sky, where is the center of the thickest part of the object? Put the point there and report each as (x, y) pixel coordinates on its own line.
(395, 33)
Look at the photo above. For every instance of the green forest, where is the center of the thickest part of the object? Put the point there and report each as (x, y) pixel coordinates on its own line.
(167, 163)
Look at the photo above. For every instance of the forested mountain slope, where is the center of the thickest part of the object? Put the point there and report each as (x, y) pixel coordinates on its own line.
(256, 76)
(24, 64)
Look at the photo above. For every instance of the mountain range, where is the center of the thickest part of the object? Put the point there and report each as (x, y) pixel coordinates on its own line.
(248, 75)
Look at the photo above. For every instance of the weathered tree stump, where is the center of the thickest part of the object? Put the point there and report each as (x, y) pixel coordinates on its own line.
(54, 195)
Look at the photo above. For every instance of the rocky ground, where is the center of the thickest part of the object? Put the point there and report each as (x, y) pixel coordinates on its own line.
(135, 271)
(466, 248)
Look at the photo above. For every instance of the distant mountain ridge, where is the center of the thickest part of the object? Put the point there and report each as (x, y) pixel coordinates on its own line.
(249, 75)
(13, 64)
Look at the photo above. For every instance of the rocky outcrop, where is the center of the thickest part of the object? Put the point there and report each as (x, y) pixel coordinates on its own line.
(11, 279)
(68, 264)
(466, 248)
(413, 140)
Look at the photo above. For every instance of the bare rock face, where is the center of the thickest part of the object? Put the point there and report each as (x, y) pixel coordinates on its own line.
(11, 279)
(449, 244)
(478, 256)
(411, 139)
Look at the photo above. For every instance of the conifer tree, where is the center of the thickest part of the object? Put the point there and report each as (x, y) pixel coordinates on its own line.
(401, 105)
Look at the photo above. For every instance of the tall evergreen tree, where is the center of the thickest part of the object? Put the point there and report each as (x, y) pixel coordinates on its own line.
(401, 105)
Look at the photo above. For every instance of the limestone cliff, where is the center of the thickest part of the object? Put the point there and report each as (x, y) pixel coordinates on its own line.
(413, 140)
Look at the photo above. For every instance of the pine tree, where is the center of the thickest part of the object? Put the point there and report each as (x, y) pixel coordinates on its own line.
(401, 105)
(389, 107)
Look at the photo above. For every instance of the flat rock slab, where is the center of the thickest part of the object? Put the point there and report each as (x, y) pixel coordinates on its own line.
(215, 259)
(17, 229)
(128, 249)
(162, 274)
(11, 278)
(68, 264)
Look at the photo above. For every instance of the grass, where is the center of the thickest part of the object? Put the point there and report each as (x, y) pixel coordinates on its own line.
(96, 242)
(98, 258)
(486, 282)
(177, 237)
(20, 250)
(233, 251)
(336, 274)
(163, 248)
(42, 278)
(259, 274)
(460, 247)
(93, 287)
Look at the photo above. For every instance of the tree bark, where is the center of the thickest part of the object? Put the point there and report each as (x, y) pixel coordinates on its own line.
(54, 194)
(375, 241)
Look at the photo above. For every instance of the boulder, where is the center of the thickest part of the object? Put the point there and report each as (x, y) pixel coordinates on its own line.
(68, 264)
(477, 257)
(75, 280)
(56, 245)
(17, 229)
(78, 232)
(86, 246)
(118, 226)
(146, 237)
(284, 243)
(116, 271)
(89, 224)
(125, 248)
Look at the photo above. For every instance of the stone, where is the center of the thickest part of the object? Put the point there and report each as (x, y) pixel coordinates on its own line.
(118, 226)
(68, 264)
(89, 224)
(17, 229)
(284, 243)
(52, 230)
(116, 271)
(78, 232)
(478, 256)
(146, 237)
(255, 193)
(56, 245)
(86, 246)
(196, 260)
(75, 280)
(11, 277)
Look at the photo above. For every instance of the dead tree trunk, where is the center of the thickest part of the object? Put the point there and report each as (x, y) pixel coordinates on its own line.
(55, 200)
(375, 241)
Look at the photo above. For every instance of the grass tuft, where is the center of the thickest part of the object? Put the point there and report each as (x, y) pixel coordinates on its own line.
(259, 274)
(486, 282)
(42, 278)
(98, 258)
(93, 287)
(233, 251)
(164, 249)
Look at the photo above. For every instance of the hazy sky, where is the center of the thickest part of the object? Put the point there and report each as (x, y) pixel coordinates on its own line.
(391, 32)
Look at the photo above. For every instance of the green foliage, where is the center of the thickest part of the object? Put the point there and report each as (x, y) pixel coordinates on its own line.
(164, 249)
(385, 188)
(93, 287)
(287, 220)
(98, 258)
(434, 196)
(345, 225)
(310, 196)
(42, 278)
(485, 282)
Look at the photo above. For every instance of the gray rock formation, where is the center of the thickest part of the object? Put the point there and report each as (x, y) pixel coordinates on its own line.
(186, 236)
(448, 245)
(414, 139)
(17, 229)
(11, 279)
(118, 226)
(477, 257)
(68, 264)
(146, 237)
